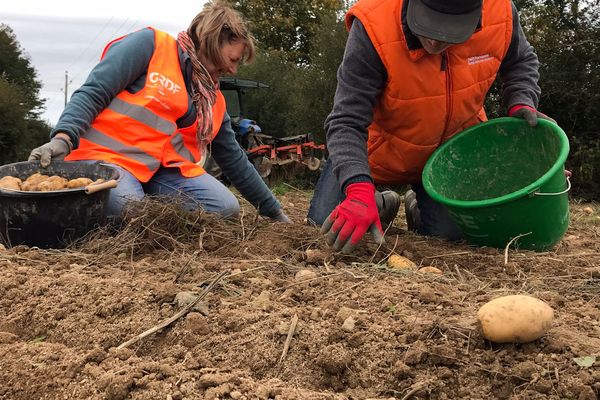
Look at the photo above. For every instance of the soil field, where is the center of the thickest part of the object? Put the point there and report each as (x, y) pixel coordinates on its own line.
(284, 323)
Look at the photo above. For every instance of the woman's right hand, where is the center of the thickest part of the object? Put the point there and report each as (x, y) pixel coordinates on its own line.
(56, 149)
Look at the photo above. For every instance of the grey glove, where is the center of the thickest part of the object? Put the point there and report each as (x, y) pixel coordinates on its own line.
(281, 217)
(529, 114)
(55, 149)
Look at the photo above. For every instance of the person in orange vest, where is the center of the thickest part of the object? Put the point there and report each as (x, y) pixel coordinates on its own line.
(414, 73)
(151, 108)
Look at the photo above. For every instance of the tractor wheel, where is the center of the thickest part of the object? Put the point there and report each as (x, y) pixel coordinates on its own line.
(313, 163)
(210, 165)
(263, 165)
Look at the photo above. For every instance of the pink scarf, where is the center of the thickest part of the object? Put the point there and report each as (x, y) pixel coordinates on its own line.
(204, 92)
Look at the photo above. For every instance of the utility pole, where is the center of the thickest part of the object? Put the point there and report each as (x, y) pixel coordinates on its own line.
(66, 86)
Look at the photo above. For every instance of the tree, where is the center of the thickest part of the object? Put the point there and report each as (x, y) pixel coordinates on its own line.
(286, 26)
(20, 103)
(566, 36)
(16, 68)
(300, 95)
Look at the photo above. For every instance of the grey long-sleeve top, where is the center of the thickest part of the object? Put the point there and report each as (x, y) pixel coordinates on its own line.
(124, 67)
(362, 77)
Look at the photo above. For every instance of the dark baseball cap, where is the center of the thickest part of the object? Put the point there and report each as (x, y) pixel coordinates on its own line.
(450, 21)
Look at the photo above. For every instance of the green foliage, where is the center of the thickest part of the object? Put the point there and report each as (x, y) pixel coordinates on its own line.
(20, 104)
(300, 96)
(566, 36)
(15, 68)
(280, 189)
(286, 26)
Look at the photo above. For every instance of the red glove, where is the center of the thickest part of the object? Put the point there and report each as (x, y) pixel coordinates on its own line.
(529, 114)
(348, 223)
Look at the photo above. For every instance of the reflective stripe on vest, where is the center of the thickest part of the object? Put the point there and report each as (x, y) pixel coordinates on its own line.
(135, 153)
(143, 115)
(179, 146)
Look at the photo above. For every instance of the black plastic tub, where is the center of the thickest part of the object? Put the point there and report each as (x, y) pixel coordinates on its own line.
(52, 219)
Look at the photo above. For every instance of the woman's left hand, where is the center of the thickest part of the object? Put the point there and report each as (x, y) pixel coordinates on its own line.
(281, 217)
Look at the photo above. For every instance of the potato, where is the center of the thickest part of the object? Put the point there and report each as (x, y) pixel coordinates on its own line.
(431, 270)
(10, 182)
(29, 186)
(315, 256)
(32, 182)
(36, 178)
(78, 182)
(58, 182)
(52, 184)
(515, 319)
(398, 262)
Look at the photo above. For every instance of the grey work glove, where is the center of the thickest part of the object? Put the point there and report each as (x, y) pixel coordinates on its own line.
(55, 149)
(529, 114)
(281, 217)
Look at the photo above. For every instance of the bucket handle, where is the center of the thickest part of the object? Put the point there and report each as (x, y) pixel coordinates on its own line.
(93, 188)
(556, 194)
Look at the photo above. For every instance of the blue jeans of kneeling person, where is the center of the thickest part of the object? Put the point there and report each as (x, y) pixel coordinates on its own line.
(435, 219)
(202, 192)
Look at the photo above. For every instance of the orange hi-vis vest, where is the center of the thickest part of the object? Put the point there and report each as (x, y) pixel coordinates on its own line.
(139, 131)
(427, 98)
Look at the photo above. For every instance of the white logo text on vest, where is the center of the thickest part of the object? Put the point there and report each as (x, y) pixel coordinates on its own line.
(478, 59)
(156, 77)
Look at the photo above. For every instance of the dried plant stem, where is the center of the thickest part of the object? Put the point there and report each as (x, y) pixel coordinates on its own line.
(175, 317)
(511, 242)
(288, 340)
(459, 253)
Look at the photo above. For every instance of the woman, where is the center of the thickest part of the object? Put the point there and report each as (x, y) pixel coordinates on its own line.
(152, 106)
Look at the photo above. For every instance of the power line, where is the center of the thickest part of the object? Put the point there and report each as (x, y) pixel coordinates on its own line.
(94, 59)
(93, 41)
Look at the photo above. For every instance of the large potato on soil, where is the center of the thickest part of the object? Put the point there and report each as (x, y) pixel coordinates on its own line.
(10, 182)
(515, 319)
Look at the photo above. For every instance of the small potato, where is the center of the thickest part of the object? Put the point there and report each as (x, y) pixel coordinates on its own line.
(78, 182)
(431, 270)
(10, 182)
(398, 262)
(315, 256)
(515, 319)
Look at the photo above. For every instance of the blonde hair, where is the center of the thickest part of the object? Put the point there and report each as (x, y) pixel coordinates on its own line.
(217, 24)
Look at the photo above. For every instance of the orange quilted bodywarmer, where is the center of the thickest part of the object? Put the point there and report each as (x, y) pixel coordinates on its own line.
(427, 98)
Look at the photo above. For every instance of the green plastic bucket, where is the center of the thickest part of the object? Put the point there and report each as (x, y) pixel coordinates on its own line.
(504, 181)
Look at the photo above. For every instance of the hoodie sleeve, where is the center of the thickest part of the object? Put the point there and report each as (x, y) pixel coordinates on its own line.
(519, 70)
(360, 79)
(237, 168)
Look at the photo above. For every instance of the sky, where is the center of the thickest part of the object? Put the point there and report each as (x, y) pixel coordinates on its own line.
(65, 35)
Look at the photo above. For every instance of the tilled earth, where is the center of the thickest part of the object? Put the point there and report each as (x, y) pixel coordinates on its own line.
(363, 330)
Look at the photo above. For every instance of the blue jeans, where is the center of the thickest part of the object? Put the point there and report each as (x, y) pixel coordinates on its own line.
(435, 219)
(200, 192)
